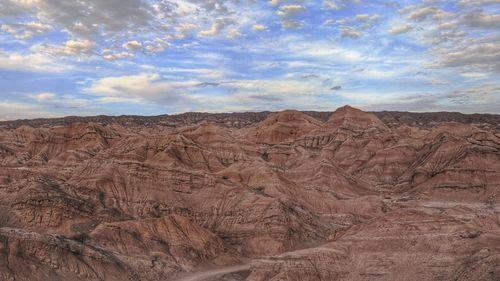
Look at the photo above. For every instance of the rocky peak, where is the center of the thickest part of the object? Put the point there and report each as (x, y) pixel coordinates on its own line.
(293, 116)
(351, 118)
(283, 126)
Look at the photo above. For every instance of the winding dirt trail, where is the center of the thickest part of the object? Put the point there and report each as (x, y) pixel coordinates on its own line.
(204, 275)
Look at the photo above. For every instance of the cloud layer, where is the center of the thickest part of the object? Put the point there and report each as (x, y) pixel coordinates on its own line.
(163, 56)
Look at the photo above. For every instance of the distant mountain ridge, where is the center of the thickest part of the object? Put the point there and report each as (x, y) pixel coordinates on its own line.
(244, 119)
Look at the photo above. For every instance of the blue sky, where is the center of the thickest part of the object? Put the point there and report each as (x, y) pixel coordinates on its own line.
(148, 57)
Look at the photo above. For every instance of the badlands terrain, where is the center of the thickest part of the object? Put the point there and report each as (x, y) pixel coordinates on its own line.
(299, 196)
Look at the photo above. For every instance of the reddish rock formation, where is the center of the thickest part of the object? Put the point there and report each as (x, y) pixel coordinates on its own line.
(347, 196)
(282, 126)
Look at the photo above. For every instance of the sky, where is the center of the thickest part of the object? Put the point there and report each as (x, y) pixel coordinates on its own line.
(151, 57)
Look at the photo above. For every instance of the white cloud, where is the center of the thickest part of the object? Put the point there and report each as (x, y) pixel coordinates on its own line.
(77, 47)
(482, 20)
(366, 19)
(41, 97)
(16, 7)
(329, 4)
(112, 21)
(217, 26)
(308, 53)
(11, 110)
(478, 2)
(422, 13)
(484, 98)
(263, 88)
(290, 24)
(36, 26)
(258, 27)
(290, 10)
(111, 56)
(25, 30)
(378, 73)
(330, 53)
(47, 107)
(33, 62)
(436, 81)
(338, 4)
(197, 73)
(447, 25)
(400, 29)
(352, 26)
(65, 101)
(214, 30)
(132, 45)
(125, 86)
(141, 88)
(93, 16)
(184, 29)
(483, 56)
(287, 12)
(350, 32)
(233, 33)
(156, 46)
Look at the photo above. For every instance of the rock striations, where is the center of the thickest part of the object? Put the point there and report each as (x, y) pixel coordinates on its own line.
(291, 197)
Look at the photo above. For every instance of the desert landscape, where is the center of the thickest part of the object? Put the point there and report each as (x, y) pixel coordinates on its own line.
(249, 140)
(264, 196)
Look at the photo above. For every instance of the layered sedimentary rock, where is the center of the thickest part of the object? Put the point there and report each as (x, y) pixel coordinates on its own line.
(348, 196)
